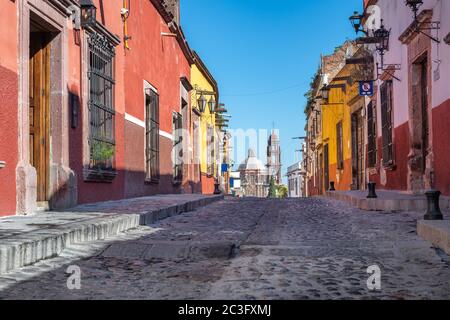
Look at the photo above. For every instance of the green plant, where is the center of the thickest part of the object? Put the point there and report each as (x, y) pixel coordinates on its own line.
(101, 151)
(272, 188)
(282, 191)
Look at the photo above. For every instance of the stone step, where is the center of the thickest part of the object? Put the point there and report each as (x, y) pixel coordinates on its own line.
(27, 240)
(388, 201)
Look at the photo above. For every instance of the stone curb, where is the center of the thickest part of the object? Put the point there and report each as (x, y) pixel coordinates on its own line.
(388, 205)
(436, 232)
(24, 250)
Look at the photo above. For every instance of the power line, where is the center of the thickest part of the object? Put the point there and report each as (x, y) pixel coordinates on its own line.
(265, 92)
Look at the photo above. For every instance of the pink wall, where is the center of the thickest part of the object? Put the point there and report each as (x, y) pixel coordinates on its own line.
(160, 62)
(108, 13)
(397, 17)
(8, 107)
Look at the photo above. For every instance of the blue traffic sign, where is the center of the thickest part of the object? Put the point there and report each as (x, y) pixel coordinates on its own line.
(366, 88)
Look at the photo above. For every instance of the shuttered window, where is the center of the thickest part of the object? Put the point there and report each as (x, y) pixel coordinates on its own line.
(177, 125)
(386, 122)
(371, 135)
(152, 172)
(210, 151)
(339, 146)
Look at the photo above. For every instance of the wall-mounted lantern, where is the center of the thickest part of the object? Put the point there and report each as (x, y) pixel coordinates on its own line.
(201, 103)
(415, 6)
(88, 13)
(212, 104)
(325, 92)
(356, 20)
(383, 36)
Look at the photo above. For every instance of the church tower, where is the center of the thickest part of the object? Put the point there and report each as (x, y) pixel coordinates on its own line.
(274, 157)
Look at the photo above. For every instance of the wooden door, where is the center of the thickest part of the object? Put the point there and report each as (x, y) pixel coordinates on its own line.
(424, 110)
(326, 164)
(360, 147)
(358, 167)
(39, 110)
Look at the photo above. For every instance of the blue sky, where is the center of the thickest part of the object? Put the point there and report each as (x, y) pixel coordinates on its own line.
(263, 54)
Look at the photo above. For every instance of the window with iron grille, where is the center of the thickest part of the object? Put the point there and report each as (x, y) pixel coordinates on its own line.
(101, 103)
(151, 136)
(386, 122)
(177, 125)
(339, 146)
(371, 135)
(210, 150)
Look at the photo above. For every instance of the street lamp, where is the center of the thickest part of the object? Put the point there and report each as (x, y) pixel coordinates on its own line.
(382, 35)
(212, 104)
(414, 5)
(88, 13)
(325, 91)
(356, 20)
(201, 102)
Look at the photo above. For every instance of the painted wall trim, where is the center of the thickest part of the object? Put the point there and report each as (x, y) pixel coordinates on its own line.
(148, 85)
(166, 134)
(134, 120)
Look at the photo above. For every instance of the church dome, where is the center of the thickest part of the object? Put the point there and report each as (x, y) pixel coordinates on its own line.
(252, 162)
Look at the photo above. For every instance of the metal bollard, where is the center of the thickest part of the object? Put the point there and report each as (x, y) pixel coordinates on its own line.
(372, 190)
(332, 188)
(216, 187)
(433, 209)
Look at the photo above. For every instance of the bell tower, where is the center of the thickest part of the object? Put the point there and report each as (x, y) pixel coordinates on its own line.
(274, 157)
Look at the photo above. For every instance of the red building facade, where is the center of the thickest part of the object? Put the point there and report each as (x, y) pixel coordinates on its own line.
(89, 112)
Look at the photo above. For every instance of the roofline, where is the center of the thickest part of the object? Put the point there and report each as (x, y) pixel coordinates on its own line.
(204, 70)
(174, 28)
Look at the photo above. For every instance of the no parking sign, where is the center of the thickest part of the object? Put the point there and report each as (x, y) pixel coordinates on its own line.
(366, 88)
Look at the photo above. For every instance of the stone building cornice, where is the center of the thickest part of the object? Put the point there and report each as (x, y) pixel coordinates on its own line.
(411, 31)
(63, 6)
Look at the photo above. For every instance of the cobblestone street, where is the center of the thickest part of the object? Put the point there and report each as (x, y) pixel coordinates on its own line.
(249, 249)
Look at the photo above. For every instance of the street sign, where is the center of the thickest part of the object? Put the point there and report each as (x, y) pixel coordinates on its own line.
(366, 88)
(224, 167)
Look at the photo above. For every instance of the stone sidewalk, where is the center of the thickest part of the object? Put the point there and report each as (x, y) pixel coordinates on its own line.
(25, 240)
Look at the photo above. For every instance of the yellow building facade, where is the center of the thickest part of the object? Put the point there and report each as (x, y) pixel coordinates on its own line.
(204, 98)
(336, 130)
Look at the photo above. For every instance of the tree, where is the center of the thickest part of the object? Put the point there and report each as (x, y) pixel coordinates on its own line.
(272, 188)
(282, 191)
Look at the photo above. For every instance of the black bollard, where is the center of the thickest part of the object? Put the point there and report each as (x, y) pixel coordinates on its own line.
(332, 188)
(216, 187)
(433, 209)
(372, 193)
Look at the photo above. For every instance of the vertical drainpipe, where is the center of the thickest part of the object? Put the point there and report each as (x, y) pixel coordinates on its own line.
(125, 13)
